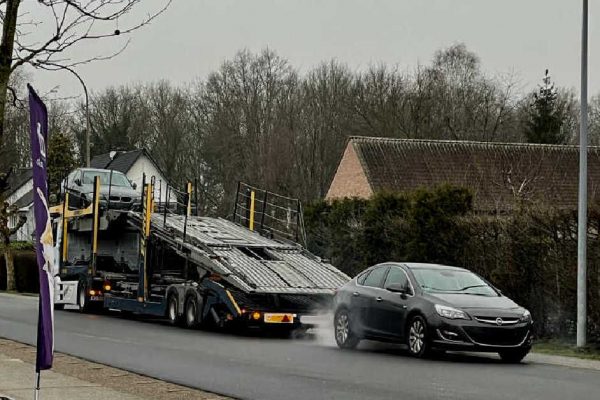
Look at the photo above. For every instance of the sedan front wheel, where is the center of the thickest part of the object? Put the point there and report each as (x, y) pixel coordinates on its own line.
(418, 337)
(514, 356)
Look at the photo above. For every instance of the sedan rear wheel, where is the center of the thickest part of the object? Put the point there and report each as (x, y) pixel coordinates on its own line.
(344, 336)
(417, 336)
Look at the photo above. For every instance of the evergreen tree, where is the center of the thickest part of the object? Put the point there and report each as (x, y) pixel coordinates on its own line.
(61, 159)
(546, 116)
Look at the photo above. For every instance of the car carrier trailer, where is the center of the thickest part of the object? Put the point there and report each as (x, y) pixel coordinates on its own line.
(194, 270)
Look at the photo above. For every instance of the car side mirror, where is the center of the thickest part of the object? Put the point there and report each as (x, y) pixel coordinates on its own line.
(398, 288)
(78, 182)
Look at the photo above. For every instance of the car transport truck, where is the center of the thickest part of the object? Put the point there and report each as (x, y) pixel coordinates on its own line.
(165, 260)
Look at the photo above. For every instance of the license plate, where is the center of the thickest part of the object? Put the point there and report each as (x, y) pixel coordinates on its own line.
(96, 298)
(279, 318)
(314, 320)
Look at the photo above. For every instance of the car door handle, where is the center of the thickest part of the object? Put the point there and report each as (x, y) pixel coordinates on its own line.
(355, 294)
(378, 299)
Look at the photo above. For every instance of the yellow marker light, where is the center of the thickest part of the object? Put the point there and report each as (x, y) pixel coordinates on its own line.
(107, 287)
(256, 315)
(251, 223)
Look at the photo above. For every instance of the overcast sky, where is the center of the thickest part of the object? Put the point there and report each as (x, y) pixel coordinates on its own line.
(195, 36)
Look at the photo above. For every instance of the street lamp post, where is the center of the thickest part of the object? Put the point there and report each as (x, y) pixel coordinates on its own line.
(87, 109)
(582, 214)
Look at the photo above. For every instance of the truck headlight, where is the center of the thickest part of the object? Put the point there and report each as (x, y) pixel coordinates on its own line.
(450, 312)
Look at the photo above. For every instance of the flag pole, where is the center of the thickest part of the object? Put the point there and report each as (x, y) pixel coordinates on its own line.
(44, 243)
(36, 394)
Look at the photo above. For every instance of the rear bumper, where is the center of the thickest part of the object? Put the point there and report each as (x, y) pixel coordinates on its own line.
(299, 321)
(475, 336)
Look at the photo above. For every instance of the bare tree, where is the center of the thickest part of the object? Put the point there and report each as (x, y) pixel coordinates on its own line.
(327, 118)
(50, 43)
(247, 111)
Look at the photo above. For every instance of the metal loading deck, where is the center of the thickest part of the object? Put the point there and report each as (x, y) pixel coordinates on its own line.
(244, 259)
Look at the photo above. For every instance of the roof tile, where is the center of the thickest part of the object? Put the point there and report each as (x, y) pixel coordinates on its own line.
(498, 173)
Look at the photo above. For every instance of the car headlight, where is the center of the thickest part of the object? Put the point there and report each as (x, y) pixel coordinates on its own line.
(450, 312)
(526, 317)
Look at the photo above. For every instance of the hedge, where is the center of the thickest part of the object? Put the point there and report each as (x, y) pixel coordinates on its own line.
(26, 270)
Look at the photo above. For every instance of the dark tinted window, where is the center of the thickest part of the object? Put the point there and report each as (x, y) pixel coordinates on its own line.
(361, 278)
(375, 277)
(396, 276)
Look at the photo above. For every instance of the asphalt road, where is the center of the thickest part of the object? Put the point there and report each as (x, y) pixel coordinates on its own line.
(265, 368)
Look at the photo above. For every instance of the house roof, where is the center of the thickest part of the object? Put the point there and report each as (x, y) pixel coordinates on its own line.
(24, 201)
(498, 173)
(121, 161)
(18, 178)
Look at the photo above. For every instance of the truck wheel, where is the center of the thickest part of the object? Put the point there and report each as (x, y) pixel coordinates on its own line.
(83, 300)
(191, 313)
(173, 310)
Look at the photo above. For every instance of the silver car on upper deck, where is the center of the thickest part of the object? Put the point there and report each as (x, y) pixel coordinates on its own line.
(116, 191)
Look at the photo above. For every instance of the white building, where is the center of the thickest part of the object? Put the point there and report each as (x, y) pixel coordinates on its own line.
(20, 194)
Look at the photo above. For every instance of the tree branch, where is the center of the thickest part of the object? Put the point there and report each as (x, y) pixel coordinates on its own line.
(66, 35)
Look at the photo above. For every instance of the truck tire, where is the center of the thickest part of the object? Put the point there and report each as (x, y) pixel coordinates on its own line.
(83, 300)
(191, 316)
(173, 310)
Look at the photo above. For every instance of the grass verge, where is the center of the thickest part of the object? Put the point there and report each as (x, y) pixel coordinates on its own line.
(559, 348)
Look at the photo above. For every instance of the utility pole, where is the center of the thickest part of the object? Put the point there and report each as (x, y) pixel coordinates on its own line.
(582, 217)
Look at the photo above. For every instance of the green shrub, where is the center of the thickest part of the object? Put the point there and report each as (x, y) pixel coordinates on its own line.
(26, 270)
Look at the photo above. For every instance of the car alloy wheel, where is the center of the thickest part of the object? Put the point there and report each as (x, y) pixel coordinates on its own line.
(341, 328)
(418, 345)
(344, 337)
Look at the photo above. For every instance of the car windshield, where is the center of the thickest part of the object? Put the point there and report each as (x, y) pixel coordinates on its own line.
(118, 179)
(452, 281)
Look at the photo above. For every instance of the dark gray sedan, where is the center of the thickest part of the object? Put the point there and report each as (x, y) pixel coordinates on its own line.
(430, 307)
(116, 191)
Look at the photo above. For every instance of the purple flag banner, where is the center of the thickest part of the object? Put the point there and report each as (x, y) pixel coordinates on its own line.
(38, 118)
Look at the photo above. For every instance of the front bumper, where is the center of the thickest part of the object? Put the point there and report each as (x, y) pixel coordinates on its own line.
(472, 335)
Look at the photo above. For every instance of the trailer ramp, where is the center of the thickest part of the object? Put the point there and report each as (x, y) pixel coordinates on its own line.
(245, 259)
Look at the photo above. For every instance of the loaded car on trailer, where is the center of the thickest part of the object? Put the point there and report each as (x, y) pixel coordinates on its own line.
(199, 270)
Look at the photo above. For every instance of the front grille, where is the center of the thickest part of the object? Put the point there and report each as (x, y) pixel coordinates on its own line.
(496, 321)
(497, 336)
(120, 199)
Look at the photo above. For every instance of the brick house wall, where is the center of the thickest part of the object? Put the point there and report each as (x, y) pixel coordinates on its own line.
(350, 179)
